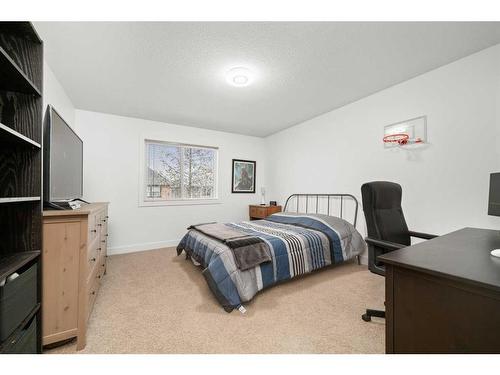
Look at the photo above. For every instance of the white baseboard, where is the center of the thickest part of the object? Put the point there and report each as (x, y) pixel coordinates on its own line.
(364, 259)
(141, 247)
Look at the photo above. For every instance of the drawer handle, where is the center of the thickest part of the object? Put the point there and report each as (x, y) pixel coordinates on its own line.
(103, 241)
(93, 260)
(107, 235)
(93, 230)
(103, 264)
(107, 217)
(98, 249)
(99, 225)
(98, 276)
(103, 220)
(93, 292)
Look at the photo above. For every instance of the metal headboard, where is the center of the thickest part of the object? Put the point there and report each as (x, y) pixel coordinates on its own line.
(317, 210)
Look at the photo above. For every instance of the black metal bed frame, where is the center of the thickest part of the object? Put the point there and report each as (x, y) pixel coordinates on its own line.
(328, 197)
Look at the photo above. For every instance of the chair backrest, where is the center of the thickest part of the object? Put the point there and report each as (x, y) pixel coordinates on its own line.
(384, 219)
(383, 212)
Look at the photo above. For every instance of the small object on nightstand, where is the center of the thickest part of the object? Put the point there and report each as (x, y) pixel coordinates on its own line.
(257, 211)
(273, 203)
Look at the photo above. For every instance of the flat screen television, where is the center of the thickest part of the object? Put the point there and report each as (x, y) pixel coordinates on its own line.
(62, 161)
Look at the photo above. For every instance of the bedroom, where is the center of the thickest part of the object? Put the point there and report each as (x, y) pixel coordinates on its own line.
(240, 175)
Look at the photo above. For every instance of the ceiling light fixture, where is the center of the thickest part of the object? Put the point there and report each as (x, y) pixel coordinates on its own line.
(239, 76)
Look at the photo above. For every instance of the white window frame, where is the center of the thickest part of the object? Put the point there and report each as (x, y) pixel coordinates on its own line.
(148, 202)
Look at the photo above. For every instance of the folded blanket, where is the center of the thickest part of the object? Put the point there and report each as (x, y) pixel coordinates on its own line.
(248, 251)
(220, 232)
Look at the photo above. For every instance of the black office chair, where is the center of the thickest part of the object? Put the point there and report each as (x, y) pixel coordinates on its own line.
(387, 229)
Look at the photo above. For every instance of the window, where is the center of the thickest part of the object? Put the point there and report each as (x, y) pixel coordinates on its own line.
(176, 172)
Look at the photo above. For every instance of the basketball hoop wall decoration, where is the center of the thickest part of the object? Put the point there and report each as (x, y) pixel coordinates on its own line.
(407, 133)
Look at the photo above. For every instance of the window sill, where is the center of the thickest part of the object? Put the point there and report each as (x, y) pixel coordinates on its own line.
(180, 202)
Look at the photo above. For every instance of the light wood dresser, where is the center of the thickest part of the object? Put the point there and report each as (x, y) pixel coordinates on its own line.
(74, 263)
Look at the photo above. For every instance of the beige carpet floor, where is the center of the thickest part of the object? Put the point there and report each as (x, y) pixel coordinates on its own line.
(156, 302)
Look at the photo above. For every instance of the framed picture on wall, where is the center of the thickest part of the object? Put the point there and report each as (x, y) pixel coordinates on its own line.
(243, 176)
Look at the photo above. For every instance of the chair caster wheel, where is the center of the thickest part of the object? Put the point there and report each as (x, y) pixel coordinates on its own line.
(366, 317)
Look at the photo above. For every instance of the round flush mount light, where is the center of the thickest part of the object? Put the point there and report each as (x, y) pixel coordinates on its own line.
(239, 76)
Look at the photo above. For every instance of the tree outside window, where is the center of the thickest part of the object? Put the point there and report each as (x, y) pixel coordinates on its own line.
(178, 172)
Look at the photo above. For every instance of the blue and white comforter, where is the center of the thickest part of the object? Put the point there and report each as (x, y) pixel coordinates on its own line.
(299, 244)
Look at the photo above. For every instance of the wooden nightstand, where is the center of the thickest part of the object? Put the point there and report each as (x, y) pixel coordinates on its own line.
(257, 211)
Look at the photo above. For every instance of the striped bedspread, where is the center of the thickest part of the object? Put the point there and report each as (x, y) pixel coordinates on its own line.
(298, 243)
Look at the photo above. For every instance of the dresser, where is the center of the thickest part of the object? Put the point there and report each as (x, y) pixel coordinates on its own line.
(258, 211)
(74, 255)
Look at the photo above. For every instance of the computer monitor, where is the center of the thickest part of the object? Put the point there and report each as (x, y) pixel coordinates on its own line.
(494, 200)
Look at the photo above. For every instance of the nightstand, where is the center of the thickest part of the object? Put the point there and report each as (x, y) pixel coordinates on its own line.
(257, 211)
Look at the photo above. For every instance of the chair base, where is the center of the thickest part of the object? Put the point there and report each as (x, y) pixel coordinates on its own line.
(367, 317)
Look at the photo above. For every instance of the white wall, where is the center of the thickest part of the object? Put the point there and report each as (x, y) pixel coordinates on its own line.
(445, 186)
(111, 173)
(54, 94)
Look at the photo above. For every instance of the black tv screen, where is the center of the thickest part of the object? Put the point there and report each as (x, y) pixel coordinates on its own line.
(63, 160)
(494, 200)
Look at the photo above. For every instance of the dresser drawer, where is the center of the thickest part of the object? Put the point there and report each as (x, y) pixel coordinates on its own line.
(93, 289)
(93, 228)
(103, 229)
(102, 260)
(103, 240)
(94, 283)
(92, 268)
(93, 252)
(103, 220)
(104, 245)
(258, 212)
(102, 267)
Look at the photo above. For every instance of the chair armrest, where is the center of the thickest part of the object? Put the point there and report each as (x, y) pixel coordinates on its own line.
(425, 236)
(384, 244)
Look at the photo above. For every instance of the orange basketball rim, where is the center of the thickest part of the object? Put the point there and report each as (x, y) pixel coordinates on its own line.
(399, 138)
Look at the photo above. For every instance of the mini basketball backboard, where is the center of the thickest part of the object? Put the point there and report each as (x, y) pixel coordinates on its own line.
(406, 133)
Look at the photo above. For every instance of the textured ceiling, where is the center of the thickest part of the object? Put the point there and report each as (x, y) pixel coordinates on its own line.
(175, 72)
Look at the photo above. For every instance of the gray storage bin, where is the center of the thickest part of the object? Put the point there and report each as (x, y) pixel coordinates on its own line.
(25, 342)
(17, 299)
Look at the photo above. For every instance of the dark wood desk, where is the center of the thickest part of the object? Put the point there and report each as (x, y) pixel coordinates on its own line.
(443, 295)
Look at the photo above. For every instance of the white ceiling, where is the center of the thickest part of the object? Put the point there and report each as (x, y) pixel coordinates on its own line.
(175, 72)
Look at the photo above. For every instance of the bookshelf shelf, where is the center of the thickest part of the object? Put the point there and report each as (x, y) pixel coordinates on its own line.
(13, 78)
(9, 135)
(19, 199)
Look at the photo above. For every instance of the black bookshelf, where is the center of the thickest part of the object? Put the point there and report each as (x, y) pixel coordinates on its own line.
(21, 77)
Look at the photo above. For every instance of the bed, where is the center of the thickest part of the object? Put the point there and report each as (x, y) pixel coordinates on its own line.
(303, 238)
